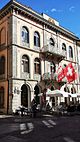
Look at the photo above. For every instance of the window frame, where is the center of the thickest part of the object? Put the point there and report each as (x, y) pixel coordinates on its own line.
(36, 39)
(70, 52)
(37, 66)
(25, 34)
(51, 42)
(25, 64)
(64, 46)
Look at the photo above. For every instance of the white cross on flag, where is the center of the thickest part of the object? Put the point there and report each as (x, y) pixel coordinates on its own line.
(70, 73)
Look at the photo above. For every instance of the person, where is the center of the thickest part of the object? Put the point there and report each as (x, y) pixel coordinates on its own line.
(33, 107)
(22, 110)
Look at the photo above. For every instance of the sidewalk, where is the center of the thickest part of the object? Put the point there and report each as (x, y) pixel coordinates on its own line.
(5, 116)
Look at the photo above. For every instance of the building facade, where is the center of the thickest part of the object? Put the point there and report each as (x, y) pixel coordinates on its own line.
(32, 47)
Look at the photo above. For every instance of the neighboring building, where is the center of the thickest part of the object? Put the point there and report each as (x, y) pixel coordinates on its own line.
(32, 47)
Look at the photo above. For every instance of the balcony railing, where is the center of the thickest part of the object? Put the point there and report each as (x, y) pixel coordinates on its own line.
(49, 76)
(54, 50)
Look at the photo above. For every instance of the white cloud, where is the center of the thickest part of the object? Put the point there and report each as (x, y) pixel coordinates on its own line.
(72, 8)
(55, 10)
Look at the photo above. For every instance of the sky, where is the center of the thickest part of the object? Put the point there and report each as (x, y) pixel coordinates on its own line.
(66, 12)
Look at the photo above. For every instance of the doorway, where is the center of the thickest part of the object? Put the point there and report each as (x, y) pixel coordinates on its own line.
(24, 95)
(36, 92)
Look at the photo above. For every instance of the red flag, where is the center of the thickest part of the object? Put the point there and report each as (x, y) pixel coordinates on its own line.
(61, 75)
(70, 73)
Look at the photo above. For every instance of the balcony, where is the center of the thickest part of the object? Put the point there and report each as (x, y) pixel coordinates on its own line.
(49, 76)
(55, 51)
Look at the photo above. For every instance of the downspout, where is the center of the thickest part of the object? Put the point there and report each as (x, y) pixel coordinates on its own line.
(7, 76)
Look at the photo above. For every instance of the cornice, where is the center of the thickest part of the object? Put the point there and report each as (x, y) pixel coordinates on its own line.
(30, 13)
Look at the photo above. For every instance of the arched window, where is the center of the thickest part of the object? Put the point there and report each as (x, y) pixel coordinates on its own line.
(52, 88)
(51, 42)
(25, 63)
(2, 65)
(64, 65)
(1, 97)
(64, 46)
(73, 90)
(36, 39)
(66, 89)
(70, 52)
(25, 35)
(37, 66)
(52, 67)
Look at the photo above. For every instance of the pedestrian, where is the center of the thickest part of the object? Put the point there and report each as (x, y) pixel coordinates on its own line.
(33, 107)
(22, 110)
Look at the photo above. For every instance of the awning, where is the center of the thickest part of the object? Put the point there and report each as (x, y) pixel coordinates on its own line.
(61, 93)
(58, 93)
(73, 95)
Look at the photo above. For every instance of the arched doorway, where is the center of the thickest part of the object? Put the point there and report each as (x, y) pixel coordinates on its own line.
(36, 92)
(24, 95)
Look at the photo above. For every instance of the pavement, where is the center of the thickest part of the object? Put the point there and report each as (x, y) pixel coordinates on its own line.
(12, 116)
(5, 116)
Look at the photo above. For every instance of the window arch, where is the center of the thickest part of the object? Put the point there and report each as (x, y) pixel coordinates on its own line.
(2, 65)
(3, 36)
(36, 39)
(25, 35)
(37, 66)
(70, 52)
(25, 63)
(1, 97)
(51, 42)
(52, 67)
(64, 46)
